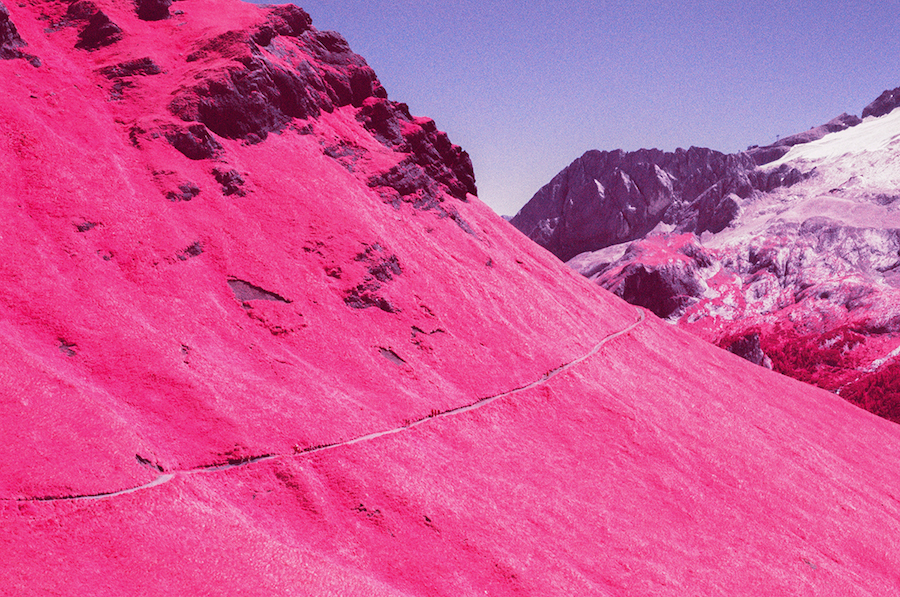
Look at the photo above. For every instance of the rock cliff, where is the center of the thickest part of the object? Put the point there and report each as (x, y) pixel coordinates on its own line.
(605, 198)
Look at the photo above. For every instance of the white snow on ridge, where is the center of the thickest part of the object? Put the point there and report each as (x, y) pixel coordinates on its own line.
(855, 180)
(873, 134)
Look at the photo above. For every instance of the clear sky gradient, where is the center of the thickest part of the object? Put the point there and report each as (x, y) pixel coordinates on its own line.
(527, 87)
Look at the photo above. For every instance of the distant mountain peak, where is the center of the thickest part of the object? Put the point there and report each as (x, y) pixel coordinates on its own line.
(791, 253)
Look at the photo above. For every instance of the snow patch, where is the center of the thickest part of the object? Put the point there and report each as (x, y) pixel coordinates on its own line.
(873, 134)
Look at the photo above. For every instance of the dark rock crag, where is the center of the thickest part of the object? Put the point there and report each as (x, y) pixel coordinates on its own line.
(605, 198)
(99, 32)
(11, 43)
(272, 82)
(132, 68)
(432, 154)
(883, 104)
(748, 347)
(194, 141)
(286, 70)
(122, 75)
(153, 10)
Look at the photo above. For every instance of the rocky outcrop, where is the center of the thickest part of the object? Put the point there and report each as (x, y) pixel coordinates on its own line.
(131, 68)
(435, 169)
(883, 104)
(11, 43)
(663, 278)
(285, 71)
(153, 10)
(99, 32)
(122, 74)
(80, 11)
(748, 348)
(273, 81)
(663, 290)
(193, 141)
(231, 181)
(605, 198)
(431, 153)
(380, 269)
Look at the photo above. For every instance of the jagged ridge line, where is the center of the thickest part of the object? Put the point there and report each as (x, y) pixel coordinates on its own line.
(480, 403)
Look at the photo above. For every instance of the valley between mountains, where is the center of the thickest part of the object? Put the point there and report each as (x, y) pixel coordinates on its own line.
(786, 255)
(254, 305)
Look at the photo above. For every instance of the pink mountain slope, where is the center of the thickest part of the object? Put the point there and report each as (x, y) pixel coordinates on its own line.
(247, 302)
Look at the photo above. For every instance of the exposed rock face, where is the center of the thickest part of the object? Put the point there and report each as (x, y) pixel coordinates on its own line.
(10, 42)
(883, 104)
(194, 141)
(231, 180)
(434, 169)
(432, 154)
(604, 198)
(99, 32)
(153, 10)
(131, 68)
(80, 10)
(665, 282)
(286, 70)
(282, 71)
(123, 75)
(749, 348)
(804, 279)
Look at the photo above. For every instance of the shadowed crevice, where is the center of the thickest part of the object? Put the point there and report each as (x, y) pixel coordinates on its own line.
(245, 291)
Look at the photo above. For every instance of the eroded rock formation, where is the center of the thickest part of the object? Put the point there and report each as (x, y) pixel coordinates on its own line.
(283, 70)
(605, 198)
(153, 10)
(11, 43)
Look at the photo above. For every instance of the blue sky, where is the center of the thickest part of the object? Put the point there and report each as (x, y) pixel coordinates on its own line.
(527, 87)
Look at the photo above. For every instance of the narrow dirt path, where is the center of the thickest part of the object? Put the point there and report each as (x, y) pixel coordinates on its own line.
(481, 403)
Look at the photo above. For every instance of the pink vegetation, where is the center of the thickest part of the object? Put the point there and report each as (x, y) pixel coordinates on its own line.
(250, 303)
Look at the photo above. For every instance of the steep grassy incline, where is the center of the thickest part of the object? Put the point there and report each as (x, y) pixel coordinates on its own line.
(226, 255)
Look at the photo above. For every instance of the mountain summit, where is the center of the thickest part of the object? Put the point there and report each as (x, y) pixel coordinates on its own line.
(261, 338)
